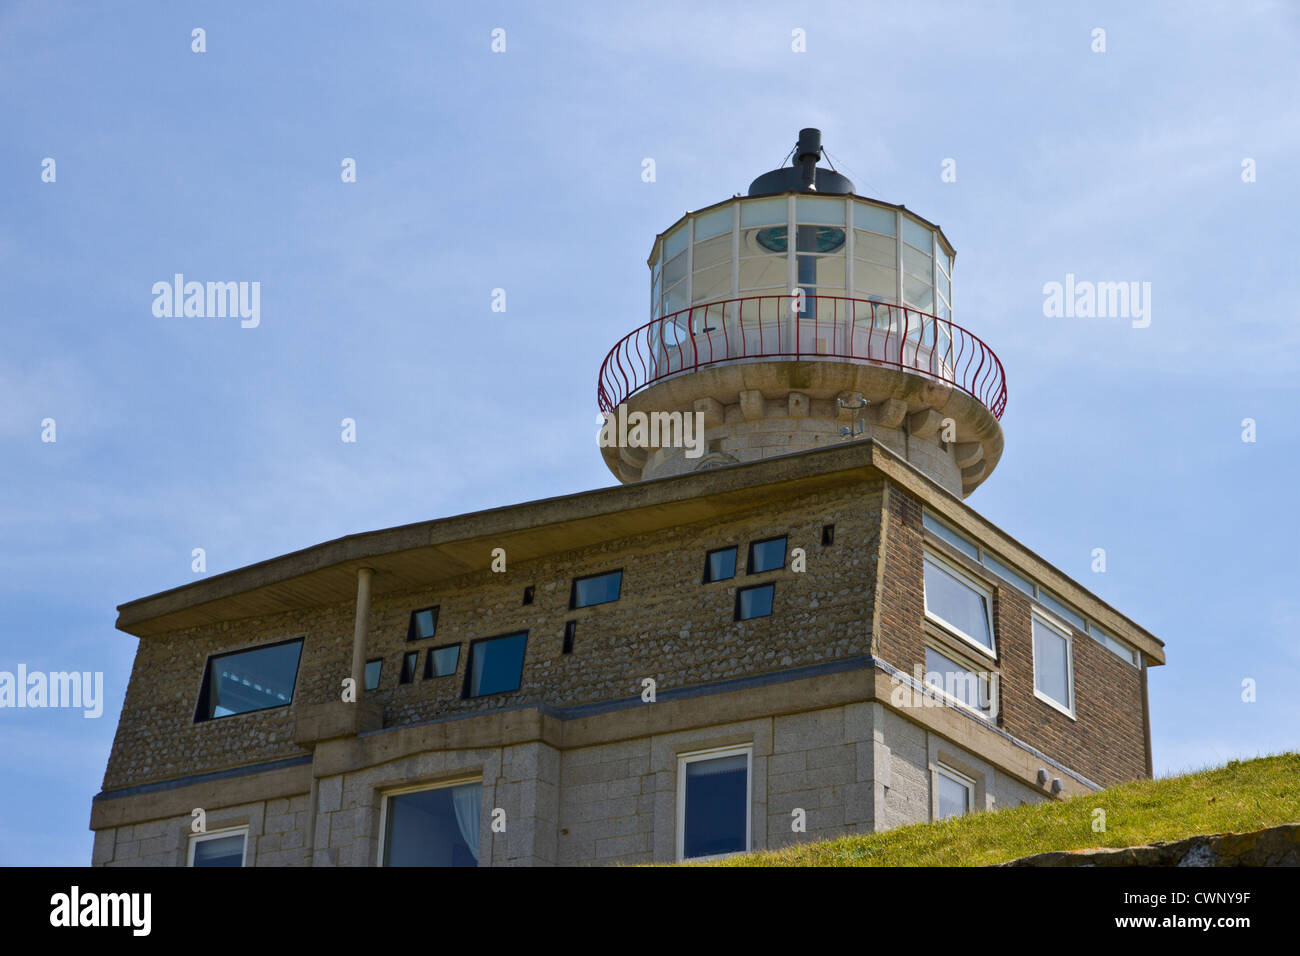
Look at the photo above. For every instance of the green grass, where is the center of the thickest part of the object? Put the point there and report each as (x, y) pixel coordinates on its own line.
(1242, 796)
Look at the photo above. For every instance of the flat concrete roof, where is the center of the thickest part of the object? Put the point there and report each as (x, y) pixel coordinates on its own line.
(421, 554)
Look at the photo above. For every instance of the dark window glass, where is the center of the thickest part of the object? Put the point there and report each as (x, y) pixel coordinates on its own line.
(433, 827)
(720, 565)
(570, 632)
(373, 670)
(528, 594)
(828, 535)
(597, 589)
(424, 624)
(245, 681)
(496, 665)
(409, 662)
(442, 661)
(766, 555)
(754, 602)
(220, 851)
(715, 812)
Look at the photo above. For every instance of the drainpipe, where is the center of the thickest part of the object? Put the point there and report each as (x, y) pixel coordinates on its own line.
(1146, 716)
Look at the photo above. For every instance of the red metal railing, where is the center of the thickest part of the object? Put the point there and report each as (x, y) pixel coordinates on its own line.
(828, 327)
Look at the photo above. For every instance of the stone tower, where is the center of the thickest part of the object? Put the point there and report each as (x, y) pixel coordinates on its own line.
(845, 333)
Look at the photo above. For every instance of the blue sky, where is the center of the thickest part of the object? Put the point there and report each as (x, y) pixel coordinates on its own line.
(522, 170)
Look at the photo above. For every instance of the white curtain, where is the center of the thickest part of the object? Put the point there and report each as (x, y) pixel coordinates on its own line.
(465, 801)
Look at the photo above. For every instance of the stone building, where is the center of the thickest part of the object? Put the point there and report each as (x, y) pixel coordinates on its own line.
(784, 624)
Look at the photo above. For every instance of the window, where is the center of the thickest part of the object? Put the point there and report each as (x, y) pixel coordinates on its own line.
(713, 803)
(951, 537)
(1053, 668)
(374, 668)
(767, 555)
(496, 665)
(1064, 611)
(754, 601)
(528, 594)
(410, 661)
(955, 680)
(433, 827)
(958, 603)
(1120, 650)
(441, 661)
(219, 848)
(1006, 574)
(244, 681)
(595, 589)
(720, 565)
(828, 535)
(570, 632)
(954, 793)
(424, 624)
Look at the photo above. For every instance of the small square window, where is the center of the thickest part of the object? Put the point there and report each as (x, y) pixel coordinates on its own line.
(828, 535)
(955, 793)
(595, 589)
(409, 662)
(754, 601)
(496, 665)
(768, 555)
(720, 565)
(219, 848)
(528, 594)
(441, 661)
(374, 668)
(570, 632)
(424, 624)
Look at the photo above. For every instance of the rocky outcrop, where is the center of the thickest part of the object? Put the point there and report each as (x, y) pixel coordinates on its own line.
(1276, 846)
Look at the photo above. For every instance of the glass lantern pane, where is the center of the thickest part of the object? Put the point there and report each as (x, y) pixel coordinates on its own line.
(874, 218)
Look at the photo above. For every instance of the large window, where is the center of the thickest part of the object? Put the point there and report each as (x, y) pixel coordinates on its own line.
(1053, 667)
(959, 603)
(766, 555)
(596, 589)
(955, 793)
(219, 848)
(245, 681)
(713, 802)
(374, 670)
(496, 665)
(968, 686)
(433, 827)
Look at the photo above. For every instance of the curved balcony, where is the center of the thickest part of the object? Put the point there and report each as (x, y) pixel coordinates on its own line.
(825, 328)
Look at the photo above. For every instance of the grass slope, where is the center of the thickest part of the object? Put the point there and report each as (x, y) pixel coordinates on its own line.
(1242, 796)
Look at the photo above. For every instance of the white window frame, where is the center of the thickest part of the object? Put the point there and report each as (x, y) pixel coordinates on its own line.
(197, 838)
(956, 776)
(963, 662)
(1066, 632)
(990, 651)
(417, 788)
(696, 755)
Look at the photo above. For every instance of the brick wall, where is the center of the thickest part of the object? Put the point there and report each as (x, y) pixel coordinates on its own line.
(1105, 743)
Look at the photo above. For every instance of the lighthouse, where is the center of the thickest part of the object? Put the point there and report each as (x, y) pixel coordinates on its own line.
(797, 316)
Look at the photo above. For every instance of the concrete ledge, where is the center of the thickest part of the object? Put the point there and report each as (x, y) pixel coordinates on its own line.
(316, 723)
